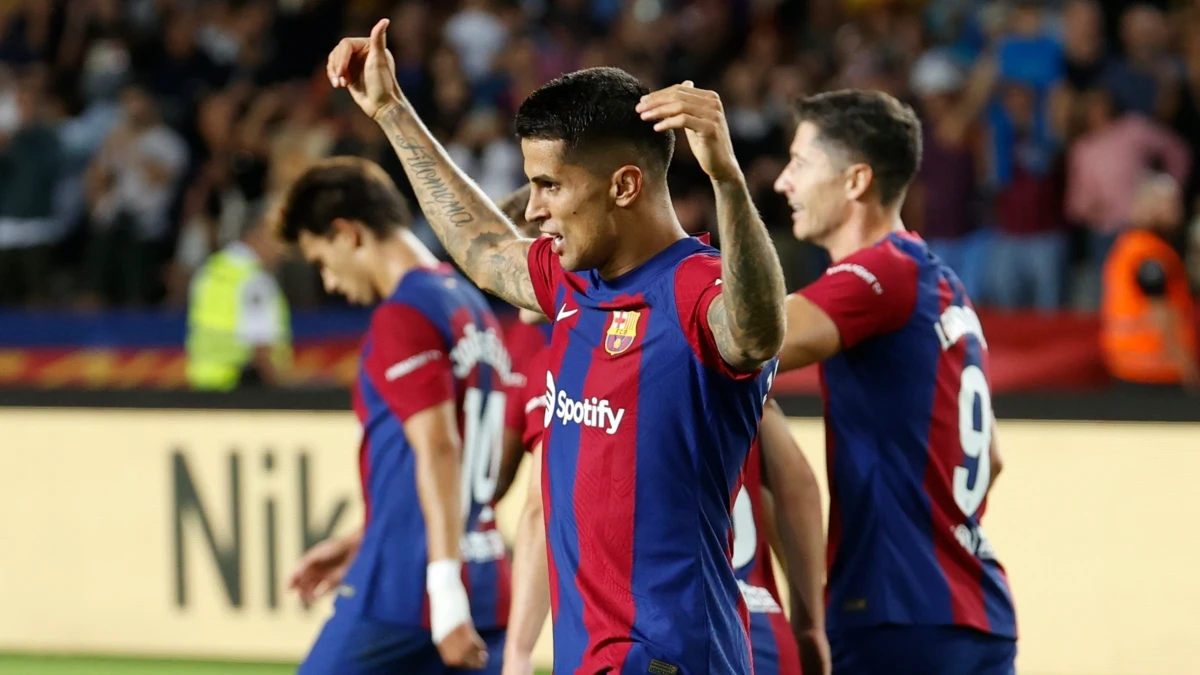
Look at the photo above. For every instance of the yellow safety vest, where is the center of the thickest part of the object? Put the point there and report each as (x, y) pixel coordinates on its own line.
(216, 356)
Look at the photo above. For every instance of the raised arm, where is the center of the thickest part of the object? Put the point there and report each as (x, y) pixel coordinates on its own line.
(748, 317)
(470, 226)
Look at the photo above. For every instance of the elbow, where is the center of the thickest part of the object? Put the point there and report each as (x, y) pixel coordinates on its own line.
(766, 344)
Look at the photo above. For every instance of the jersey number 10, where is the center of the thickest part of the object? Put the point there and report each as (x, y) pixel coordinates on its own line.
(483, 434)
(976, 442)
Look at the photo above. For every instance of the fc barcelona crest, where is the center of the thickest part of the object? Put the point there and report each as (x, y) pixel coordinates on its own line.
(622, 331)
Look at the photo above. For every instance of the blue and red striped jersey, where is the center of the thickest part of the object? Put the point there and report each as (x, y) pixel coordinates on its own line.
(908, 426)
(529, 346)
(434, 340)
(771, 639)
(647, 430)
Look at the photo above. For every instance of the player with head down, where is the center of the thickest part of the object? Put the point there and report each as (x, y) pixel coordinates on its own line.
(914, 587)
(660, 357)
(423, 586)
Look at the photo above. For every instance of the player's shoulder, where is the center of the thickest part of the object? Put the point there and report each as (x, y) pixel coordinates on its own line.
(891, 264)
(698, 269)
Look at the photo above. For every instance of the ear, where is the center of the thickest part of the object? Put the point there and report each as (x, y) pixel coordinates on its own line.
(347, 230)
(626, 185)
(858, 181)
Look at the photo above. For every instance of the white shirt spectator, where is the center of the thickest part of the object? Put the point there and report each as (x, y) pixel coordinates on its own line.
(135, 190)
(477, 36)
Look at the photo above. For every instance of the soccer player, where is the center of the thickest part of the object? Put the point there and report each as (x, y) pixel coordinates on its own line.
(660, 357)
(779, 507)
(423, 587)
(914, 586)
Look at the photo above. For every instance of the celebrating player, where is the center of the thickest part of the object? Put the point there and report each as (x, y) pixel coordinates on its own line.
(914, 585)
(431, 399)
(658, 372)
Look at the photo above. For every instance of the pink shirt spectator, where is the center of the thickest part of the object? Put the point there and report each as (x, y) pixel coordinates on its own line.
(1106, 166)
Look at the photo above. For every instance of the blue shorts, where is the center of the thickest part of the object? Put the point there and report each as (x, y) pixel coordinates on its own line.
(357, 645)
(921, 650)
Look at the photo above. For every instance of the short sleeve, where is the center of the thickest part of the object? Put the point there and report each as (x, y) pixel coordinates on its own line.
(870, 293)
(259, 322)
(697, 284)
(408, 362)
(1152, 278)
(545, 272)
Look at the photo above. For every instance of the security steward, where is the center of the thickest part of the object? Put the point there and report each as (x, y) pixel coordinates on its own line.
(239, 326)
(1148, 336)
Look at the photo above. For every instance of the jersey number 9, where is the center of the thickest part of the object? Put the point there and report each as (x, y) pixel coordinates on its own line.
(976, 441)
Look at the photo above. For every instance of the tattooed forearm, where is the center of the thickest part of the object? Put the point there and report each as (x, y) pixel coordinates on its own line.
(748, 319)
(481, 239)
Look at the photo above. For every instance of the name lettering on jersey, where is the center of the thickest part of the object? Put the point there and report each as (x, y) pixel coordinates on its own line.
(860, 272)
(593, 412)
(477, 346)
(975, 540)
(622, 331)
(758, 599)
(402, 368)
(956, 322)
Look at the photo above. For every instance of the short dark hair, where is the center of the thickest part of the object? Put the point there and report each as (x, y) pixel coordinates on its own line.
(342, 187)
(591, 109)
(871, 127)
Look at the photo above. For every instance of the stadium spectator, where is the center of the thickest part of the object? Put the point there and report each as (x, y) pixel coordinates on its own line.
(942, 202)
(30, 164)
(1146, 79)
(130, 187)
(1149, 333)
(1106, 166)
(1028, 257)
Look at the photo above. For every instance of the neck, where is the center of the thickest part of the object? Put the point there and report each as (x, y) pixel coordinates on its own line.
(864, 228)
(650, 230)
(395, 257)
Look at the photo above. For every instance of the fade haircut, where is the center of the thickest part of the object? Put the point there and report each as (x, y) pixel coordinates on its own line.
(591, 110)
(350, 188)
(869, 127)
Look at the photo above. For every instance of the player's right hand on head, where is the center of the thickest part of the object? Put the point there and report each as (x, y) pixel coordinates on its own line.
(365, 67)
(463, 648)
(322, 568)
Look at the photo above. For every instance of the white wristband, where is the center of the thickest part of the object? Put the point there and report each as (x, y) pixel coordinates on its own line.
(449, 606)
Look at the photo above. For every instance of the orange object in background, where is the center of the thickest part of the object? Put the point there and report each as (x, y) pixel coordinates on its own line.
(1132, 345)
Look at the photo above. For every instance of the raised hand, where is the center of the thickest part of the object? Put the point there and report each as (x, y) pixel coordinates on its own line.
(366, 68)
(698, 112)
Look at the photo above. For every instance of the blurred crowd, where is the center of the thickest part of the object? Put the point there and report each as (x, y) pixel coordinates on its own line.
(139, 136)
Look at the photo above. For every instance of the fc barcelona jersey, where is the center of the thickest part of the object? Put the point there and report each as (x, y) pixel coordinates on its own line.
(647, 430)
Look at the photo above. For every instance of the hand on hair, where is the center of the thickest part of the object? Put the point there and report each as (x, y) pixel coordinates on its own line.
(698, 112)
(366, 68)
